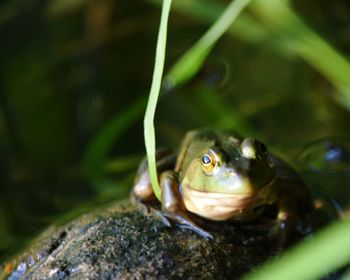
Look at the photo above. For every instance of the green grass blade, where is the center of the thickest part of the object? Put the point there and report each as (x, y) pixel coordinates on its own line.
(149, 132)
(189, 64)
(294, 37)
(246, 27)
(311, 259)
(303, 41)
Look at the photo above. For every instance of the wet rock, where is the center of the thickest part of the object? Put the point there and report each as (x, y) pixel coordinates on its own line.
(119, 242)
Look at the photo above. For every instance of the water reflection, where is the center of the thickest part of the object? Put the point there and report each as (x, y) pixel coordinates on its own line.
(326, 163)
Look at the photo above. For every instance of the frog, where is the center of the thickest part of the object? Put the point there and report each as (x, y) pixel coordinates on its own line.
(219, 176)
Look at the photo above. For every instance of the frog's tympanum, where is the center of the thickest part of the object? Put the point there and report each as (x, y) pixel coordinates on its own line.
(219, 176)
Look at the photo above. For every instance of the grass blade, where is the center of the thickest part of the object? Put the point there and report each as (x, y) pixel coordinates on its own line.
(304, 42)
(149, 132)
(328, 251)
(294, 37)
(189, 64)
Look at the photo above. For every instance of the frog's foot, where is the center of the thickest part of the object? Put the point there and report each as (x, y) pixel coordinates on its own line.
(149, 210)
(159, 215)
(183, 220)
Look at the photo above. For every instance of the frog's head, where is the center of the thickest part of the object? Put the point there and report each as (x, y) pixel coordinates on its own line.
(223, 171)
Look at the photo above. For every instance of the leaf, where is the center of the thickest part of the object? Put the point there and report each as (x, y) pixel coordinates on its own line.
(149, 132)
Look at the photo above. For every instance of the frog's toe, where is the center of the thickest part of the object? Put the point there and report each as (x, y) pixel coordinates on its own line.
(159, 215)
(186, 222)
(148, 210)
(197, 230)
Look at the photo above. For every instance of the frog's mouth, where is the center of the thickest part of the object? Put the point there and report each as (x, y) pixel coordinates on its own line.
(221, 206)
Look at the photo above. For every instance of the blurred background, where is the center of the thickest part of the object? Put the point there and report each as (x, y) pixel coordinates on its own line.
(75, 77)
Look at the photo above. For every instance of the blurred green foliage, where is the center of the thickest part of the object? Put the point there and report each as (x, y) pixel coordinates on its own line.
(192, 61)
(278, 18)
(75, 75)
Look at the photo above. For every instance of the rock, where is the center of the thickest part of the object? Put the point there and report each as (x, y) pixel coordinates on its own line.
(119, 242)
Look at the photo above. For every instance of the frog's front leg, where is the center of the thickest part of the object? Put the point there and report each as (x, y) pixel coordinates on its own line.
(142, 194)
(286, 218)
(273, 229)
(142, 190)
(173, 206)
(280, 226)
(293, 201)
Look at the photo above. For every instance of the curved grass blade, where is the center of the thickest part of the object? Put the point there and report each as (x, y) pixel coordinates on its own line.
(189, 64)
(312, 259)
(246, 27)
(149, 132)
(300, 39)
(294, 37)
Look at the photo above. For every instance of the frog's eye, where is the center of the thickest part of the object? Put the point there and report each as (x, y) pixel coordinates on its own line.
(208, 162)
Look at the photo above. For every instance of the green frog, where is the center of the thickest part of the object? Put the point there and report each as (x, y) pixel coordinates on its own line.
(219, 176)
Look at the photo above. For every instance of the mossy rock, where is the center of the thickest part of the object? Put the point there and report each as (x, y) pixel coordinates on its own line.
(119, 242)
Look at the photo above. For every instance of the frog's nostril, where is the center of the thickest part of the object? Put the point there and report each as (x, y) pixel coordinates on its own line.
(231, 173)
(262, 149)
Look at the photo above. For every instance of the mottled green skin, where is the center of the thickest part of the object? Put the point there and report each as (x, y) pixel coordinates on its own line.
(235, 173)
(242, 181)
